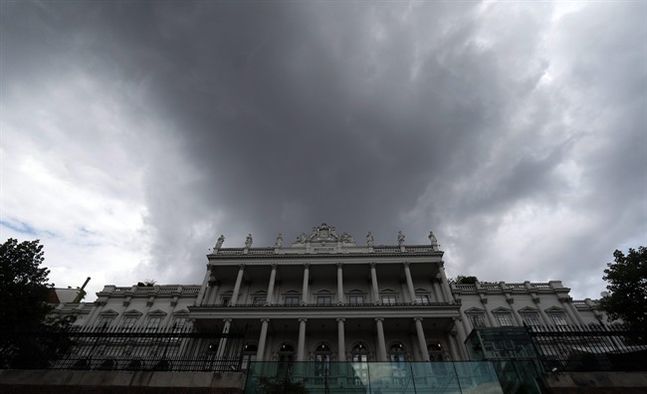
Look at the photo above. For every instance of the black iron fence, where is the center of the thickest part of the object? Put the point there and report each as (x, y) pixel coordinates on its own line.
(140, 348)
(590, 348)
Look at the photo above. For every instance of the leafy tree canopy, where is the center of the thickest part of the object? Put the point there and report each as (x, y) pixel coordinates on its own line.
(23, 309)
(627, 286)
(466, 280)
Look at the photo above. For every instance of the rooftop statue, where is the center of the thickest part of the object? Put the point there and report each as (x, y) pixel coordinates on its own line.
(434, 242)
(400, 238)
(248, 241)
(369, 239)
(279, 241)
(219, 243)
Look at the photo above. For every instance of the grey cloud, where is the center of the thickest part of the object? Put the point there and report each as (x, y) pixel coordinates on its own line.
(369, 117)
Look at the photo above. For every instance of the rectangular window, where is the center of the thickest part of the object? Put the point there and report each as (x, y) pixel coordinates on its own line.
(422, 299)
(105, 321)
(477, 320)
(259, 300)
(129, 322)
(504, 319)
(558, 319)
(531, 318)
(153, 322)
(355, 299)
(225, 300)
(388, 299)
(292, 300)
(324, 300)
(180, 323)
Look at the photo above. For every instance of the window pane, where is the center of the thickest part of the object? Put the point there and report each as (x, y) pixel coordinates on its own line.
(422, 299)
(504, 319)
(477, 320)
(558, 319)
(291, 300)
(324, 300)
(531, 318)
(388, 299)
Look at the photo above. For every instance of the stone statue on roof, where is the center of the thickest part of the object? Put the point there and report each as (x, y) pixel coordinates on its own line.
(279, 241)
(400, 238)
(434, 241)
(248, 241)
(219, 242)
(369, 239)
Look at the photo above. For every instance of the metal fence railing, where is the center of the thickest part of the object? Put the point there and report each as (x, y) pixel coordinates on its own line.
(590, 348)
(141, 348)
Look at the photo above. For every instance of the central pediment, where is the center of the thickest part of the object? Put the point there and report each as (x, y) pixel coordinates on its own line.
(324, 234)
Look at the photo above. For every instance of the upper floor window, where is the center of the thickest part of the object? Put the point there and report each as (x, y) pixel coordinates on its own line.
(531, 318)
(259, 299)
(129, 321)
(423, 299)
(180, 323)
(355, 297)
(292, 299)
(397, 353)
(504, 319)
(153, 322)
(105, 321)
(388, 298)
(324, 299)
(477, 320)
(558, 318)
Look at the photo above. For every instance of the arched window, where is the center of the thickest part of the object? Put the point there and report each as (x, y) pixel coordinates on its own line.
(286, 359)
(359, 355)
(322, 360)
(435, 350)
(225, 299)
(248, 355)
(397, 353)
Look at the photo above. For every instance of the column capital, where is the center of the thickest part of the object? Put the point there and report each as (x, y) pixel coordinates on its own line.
(274, 266)
(227, 320)
(241, 266)
(406, 264)
(306, 265)
(340, 265)
(265, 320)
(372, 265)
(379, 319)
(341, 319)
(417, 319)
(302, 319)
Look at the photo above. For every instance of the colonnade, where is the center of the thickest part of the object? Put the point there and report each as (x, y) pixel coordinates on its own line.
(439, 287)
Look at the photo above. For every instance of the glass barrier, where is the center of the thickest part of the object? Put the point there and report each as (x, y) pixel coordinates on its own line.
(372, 377)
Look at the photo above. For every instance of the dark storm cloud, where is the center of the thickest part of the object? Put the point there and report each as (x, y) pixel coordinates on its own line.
(372, 117)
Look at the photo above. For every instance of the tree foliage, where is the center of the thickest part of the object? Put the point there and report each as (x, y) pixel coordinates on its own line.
(627, 286)
(466, 280)
(27, 335)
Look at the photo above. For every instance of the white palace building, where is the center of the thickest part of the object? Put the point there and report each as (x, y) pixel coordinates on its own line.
(326, 298)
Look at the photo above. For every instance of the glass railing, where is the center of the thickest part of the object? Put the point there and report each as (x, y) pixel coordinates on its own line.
(372, 377)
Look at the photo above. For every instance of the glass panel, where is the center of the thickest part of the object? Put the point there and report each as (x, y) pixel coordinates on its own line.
(477, 320)
(356, 299)
(324, 300)
(422, 299)
(558, 319)
(477, 377)
(388, 299)
(531, 318)
(292, 300)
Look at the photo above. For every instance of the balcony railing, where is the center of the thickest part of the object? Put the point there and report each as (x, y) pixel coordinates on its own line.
(332, 305)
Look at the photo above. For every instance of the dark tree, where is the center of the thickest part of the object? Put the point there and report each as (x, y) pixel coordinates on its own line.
(27, 336)
(466, 280)
(627, 285)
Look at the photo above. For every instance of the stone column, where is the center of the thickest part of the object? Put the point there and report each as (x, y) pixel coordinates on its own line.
(340, 284)
(447, 292)
(412, 289)
(381, 342)
(434, 290)
(270, 286)
(575, 315)
(422, 341)
(301, 344)
(515, 314)
(239, 281)
(452, 346)
(376, 289)
(547, 321)
(462, 336)
(306, 279)
(213, 293)
(260, 353)
(223, 341)
(488, 313)
(341, 339)
(466, 323)
(203, 288)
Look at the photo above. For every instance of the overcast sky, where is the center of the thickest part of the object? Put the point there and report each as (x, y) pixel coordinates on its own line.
(134, 133)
